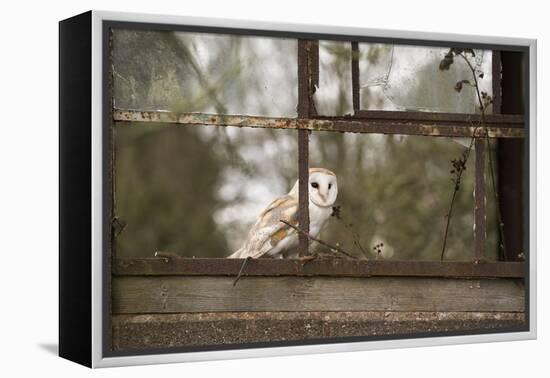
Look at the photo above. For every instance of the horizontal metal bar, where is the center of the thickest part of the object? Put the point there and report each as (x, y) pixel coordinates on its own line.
(507, 120)
(342, 124)
(319, 267)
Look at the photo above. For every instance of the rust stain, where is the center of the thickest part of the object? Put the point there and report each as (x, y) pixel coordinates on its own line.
(416, 125)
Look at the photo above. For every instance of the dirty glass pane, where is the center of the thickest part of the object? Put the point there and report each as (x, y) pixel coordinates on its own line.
(196, 191)
(396, 191)
(201, 72)
(333, 97)
(399, 77)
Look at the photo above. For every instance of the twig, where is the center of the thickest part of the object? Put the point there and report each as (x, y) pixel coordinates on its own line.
(239, 275)
(336, 212)
(331, 247)
(356, 239)
(497, 200)
(456, 188)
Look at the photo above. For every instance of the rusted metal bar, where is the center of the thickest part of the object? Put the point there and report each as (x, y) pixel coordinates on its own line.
(465, 128)
(303, 191)
(493, 120)
(511, 157)
(110, 150)
(480, 208)
(110, 231)
(304, 111)
(320, 267)
(496, 78)
(314, 74)
(356, 96)
(304, 78)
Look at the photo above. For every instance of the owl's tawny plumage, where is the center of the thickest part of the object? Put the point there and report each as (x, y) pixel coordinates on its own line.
(269, 237)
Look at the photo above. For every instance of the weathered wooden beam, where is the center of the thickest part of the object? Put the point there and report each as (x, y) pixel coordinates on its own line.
(403, 126)
(134, 332)
(320, 267)
(171, 294)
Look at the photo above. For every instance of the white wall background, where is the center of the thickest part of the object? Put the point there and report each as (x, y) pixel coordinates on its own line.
(28, 188)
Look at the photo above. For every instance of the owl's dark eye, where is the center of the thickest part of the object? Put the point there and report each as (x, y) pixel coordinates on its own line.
(314, 185)
(329, 186)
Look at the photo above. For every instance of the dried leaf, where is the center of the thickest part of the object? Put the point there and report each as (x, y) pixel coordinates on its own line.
(446, 61)
(458, 85)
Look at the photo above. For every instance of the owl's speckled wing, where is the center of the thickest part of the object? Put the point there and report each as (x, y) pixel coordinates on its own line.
(268, 234)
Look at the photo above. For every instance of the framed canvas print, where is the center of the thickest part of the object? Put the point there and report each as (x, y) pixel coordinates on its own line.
(232, 189)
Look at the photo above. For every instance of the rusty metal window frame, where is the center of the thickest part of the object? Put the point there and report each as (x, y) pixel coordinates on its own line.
(501, 126)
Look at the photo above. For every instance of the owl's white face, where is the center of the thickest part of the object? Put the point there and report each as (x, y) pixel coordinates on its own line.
(323, 187)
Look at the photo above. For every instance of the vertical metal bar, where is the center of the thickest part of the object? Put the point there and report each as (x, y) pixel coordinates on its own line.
(355, 78)
(304, 79)
(109, 237)
(496, 77)
(303, 199)
(480, 208)
(304, 106)
(511, 158)
(314, 72)
(110, 147)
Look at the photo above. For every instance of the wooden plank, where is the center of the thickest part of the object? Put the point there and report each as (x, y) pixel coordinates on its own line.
(320, 267)
(225, 328)
(145, 294)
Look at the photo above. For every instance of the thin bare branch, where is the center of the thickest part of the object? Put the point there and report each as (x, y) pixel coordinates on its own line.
(482, 107)
(239, 275)
(331, 247)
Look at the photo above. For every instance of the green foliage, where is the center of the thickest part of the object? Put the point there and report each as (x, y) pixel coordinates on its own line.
(166, 184)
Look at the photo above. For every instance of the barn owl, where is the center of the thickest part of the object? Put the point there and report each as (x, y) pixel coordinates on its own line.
(269, 237)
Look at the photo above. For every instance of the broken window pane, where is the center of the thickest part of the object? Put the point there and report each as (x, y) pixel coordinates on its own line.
(333, 96)
(399, 77)
(201, 72)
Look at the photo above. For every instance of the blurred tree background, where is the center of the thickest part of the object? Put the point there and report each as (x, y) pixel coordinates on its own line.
(196, 191)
